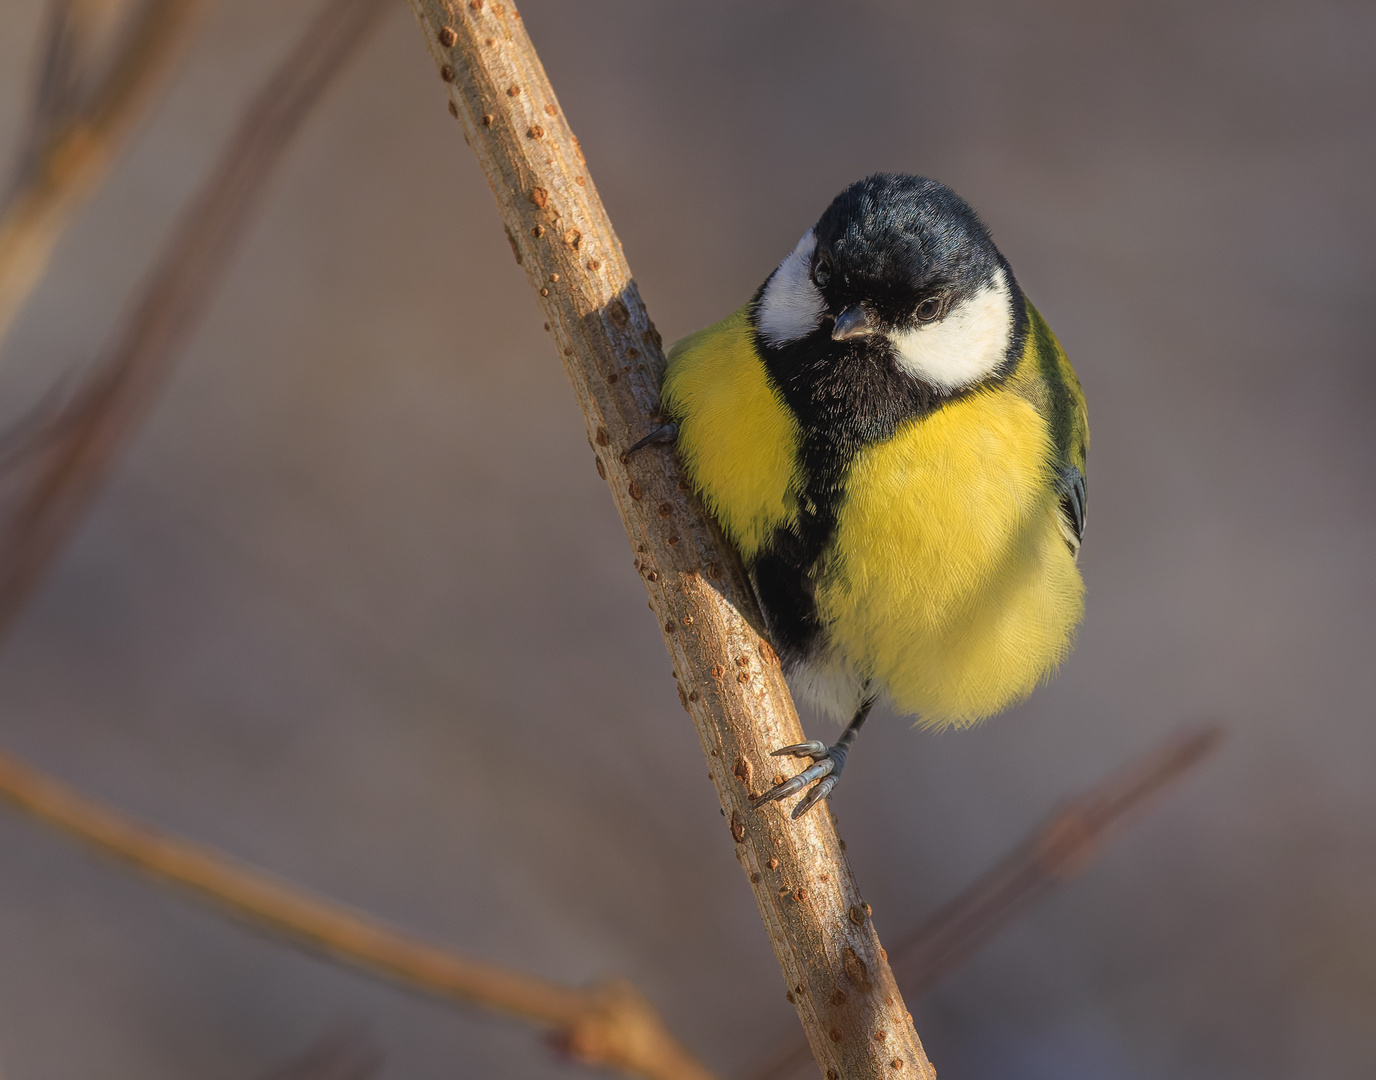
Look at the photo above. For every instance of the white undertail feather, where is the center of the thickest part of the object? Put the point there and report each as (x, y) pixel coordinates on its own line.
(791, 306)
(964, 347)
(829, 684)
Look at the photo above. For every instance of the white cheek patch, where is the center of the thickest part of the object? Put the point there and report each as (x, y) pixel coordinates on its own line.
(964, 347)
(792, 306)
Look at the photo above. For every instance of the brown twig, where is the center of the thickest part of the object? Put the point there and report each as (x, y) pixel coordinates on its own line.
(1057, 851)
(343, 1053)
(610, 1024)
(84, 108)
(48, 477)
(1053, 853)
(835, 972)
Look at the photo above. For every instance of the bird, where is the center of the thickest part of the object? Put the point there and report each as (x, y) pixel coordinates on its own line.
(895, 442)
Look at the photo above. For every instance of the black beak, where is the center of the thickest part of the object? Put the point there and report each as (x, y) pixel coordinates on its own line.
(854, 321)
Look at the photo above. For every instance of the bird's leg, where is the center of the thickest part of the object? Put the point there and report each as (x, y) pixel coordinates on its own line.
(830, 760)
(665, 433)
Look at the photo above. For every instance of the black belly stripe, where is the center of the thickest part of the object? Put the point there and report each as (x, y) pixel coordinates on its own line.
(845, 395)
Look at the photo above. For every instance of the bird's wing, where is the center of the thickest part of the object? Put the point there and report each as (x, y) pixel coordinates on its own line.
(1070, 484)
(1071, 475)
(1056, 391)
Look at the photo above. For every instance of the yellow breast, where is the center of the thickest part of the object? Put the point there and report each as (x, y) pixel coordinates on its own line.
(948, 580)
(737, 439)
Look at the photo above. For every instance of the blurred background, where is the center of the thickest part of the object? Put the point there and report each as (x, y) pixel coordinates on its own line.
(356, 607)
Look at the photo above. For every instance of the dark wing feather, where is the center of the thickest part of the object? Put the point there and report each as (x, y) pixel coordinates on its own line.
(1070, 484)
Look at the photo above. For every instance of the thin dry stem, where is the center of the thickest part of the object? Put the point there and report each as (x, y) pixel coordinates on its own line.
(1057, 851)
(835, 972)
(343, 1053)
(49, 474)
(610, 1024)
(1053, 853)
(84, 109)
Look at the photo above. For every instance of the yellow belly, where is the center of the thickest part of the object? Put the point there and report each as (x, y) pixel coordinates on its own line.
(949, 582)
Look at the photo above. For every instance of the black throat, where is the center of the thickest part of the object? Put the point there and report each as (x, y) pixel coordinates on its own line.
(845, 395)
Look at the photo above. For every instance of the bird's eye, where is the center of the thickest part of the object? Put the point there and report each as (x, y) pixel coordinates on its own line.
(929, 309)
(821, 271)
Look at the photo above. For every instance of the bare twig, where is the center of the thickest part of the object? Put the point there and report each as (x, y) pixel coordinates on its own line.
(609, 1024)
(1053, 853)
(84, 108)
(836, 974)
(48, 478)
(343, 1053)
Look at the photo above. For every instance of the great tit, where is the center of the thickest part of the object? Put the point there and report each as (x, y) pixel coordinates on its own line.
(895, 442)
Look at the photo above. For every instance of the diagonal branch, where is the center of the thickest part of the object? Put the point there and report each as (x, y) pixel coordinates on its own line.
(342, 1053)
(1057, 851)
(609, 1024)
(1053, 853)
(836, 973)
(84, 108)
(49, 474)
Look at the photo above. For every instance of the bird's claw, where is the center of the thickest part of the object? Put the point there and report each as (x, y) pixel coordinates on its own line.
(665, 433)
(813, 797)
(826, 770)
(814, 748)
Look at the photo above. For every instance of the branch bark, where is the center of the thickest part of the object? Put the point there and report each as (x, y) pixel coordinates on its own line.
(1053, 853)
(610, 1024)
(51, 468)
(78, 124)
(835, 971)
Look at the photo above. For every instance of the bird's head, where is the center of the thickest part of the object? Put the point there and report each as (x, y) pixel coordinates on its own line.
(899, 265)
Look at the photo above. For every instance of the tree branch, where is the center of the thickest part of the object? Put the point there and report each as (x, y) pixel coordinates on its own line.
(836, 973)
(343, 1053)
(51, 468)
(79, 121)
(610, 1024)
(1053, 853)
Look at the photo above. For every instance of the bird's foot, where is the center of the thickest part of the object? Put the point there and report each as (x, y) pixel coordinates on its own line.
(665, 433)
(826, 772)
